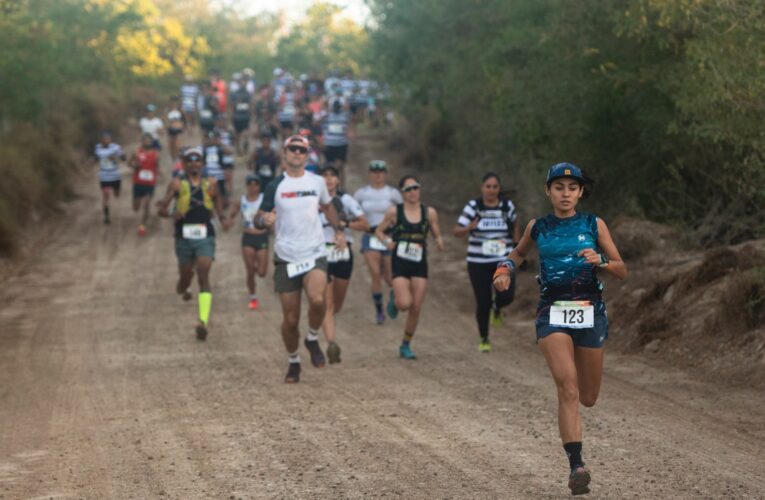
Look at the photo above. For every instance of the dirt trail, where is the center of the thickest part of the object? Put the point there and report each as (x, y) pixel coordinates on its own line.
(105, 393)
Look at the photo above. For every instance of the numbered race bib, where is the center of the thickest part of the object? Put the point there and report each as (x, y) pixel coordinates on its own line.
(334, 255)
(376, 244)
(494, 248)
(265, 170)
(242, 106)
(410, 251)
(205, 114)
(146, 175)
(247, 217)
(572, 314)
(289, 109)
(492, 223)
(188, 102)
(106, 164)
(212, 158)
(336, 129)
(194, 231)
(298, 268)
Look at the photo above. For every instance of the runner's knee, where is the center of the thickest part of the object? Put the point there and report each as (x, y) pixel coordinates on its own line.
(568, 392)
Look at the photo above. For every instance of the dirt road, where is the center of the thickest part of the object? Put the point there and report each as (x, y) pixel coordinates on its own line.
(105, 393)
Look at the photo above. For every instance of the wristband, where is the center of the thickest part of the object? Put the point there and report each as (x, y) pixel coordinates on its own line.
(387, 241)
(505, 268)
(603, 260)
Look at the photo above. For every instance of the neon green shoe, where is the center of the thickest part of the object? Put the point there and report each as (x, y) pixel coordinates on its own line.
(484, 346)
(496, 318)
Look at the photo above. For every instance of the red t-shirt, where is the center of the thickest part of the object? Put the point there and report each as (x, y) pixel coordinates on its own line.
(220, 93)
(146, 173)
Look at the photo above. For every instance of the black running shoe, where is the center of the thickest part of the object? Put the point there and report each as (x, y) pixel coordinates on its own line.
(333, 353)
(579, 481)
(293, 374)
(201, 332)
(317, 357)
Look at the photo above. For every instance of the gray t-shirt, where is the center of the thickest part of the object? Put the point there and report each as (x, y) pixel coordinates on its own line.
(375, 202)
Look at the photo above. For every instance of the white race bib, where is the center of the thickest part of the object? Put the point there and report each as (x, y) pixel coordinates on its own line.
(194, 231)
(492, 223)
(495, 248)
(212, 158)
(298, 268)
(146, 175)
(247, 218)
(376, 244)
(265, 170)
(289, 109)
(106, 164)
(410, 251)
(242, 106)
(205, 114)
(572, 314)
(335, 129)
(334, 255)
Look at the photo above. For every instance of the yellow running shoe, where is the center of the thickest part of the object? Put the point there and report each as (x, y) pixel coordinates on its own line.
(485, 345)
(496, 318)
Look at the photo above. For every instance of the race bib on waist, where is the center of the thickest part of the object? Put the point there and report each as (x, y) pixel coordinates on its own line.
(212, 158)
(334, 255)
(376, 244)
(242, 106)
(205, 114)
(289, 109)
(410, 251)
(146, 175)
(106, 164)
(572, 314)
(194, 231)
(298, 268)
(495, 248)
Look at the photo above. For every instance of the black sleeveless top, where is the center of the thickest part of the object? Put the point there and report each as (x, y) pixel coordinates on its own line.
(198, 213)
(408, 231)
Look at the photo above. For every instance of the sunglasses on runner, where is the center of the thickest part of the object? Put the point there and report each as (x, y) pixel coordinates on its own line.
(194, 158)
(411, 187)
(297, 149)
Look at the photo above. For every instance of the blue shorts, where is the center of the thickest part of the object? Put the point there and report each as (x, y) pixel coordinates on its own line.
(365, 246)
(582, 337)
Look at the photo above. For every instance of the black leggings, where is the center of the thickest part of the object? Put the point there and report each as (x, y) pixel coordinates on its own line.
(481, 278)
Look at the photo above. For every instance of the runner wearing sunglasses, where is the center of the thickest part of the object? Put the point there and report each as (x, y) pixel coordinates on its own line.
(411, 222)
(571, 324)
(196, 199)
(291, 205)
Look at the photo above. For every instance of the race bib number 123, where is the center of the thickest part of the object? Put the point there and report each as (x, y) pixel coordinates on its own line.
(572, 314)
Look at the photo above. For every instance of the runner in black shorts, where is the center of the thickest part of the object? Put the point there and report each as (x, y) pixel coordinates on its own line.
(340, 262)
(254, 240)
(411, 222)
(571, 323)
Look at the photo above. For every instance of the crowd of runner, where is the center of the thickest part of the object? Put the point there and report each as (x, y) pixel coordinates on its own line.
(293, 135)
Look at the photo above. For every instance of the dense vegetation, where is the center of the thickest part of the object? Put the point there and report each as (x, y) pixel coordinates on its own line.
(661, 101)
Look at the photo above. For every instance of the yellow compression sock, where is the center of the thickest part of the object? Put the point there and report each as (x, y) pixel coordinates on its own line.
(205, 304)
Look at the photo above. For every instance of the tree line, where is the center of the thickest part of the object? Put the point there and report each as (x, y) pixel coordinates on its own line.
(661, 101)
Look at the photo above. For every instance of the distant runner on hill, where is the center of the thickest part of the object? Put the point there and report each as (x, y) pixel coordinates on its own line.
(108, 154)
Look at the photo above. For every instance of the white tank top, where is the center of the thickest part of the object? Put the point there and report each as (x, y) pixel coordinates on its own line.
(248, 210)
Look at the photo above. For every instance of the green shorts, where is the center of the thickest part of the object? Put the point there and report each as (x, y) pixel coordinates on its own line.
(188, 250)
(256, 241)
(284, 284)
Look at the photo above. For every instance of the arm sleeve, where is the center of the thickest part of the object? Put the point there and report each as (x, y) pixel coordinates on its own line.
(352, 207)
(269, 195)
(397, 196)
(467, 216)
(324, 196)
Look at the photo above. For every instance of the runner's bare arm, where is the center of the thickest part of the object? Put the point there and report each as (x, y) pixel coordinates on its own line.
(502, 276)
(170, 192)
(360, 223)
(613, 262)
(218, 200)
(388, 220)
(232, 213)
(436, 228)
(462, 231)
